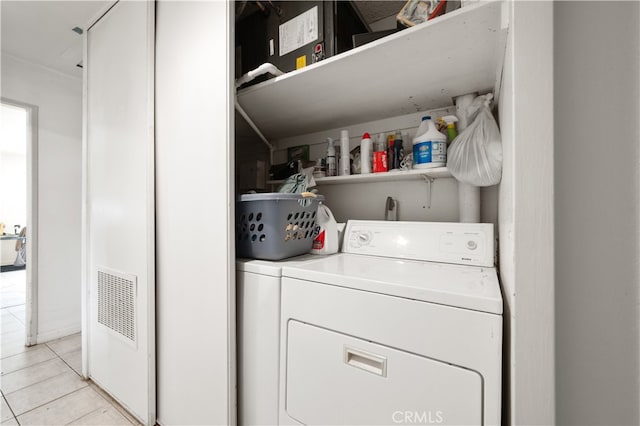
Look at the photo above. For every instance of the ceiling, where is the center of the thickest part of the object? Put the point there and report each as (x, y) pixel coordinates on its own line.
(41, 31)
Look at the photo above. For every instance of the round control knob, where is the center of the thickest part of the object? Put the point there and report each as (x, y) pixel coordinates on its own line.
(364, 238)
(472, 245)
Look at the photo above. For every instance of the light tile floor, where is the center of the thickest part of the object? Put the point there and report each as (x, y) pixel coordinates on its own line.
(41, 385)
(13, 289)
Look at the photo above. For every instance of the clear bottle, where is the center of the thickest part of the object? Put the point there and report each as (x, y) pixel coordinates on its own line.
(429, 146)
(379, 162)
(379, 144)
(331, 158)
(345, 155)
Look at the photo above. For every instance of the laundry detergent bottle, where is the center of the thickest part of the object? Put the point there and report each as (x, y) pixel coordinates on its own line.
(429, 146)
(326, 232)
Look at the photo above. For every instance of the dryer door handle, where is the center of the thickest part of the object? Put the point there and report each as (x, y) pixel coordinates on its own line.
(366, 361)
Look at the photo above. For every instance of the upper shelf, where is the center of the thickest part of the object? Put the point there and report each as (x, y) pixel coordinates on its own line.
(392, 176)
(416, 69)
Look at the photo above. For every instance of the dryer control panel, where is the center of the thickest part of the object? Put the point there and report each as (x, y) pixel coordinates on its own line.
(458, 243)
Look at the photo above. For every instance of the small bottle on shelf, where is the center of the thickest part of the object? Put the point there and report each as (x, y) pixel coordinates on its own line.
(429, 146)
(331, 158)
(390, 158)
(365, 154)
(398, 150)
(345, 157)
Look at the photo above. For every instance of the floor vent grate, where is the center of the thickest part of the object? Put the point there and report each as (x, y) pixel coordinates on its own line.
(117, 303)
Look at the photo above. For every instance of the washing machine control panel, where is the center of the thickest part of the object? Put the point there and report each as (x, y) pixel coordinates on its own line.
(460, 243)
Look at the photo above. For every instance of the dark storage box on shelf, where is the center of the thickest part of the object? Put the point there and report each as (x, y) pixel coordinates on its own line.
(258, 33)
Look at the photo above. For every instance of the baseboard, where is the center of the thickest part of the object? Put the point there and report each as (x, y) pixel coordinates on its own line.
(56, 334)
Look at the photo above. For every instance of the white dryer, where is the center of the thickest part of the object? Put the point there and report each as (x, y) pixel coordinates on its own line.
(258, 337)
(404, 327)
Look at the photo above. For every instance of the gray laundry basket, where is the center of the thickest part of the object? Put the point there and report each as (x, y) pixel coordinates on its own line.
(275, 226)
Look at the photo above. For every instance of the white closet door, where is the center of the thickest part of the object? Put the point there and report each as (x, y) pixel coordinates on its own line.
(120, 205)
(195, 245)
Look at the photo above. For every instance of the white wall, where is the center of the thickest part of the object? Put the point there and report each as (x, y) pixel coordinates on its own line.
(597, 212)
(59, 101)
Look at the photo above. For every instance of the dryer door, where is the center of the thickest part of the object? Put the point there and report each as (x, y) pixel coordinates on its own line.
(333, 378)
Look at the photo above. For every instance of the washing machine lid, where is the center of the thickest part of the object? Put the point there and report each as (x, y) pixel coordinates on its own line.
(272, 268)
(468, 287)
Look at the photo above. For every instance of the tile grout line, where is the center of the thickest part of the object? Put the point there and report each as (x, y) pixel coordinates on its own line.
(61, 359)
(115, 404)
(36, 383)
(28, 366)
(74, 420)
(88, 382)
(41, 362)
(85, 415)
(49, 402)
(9, 314)
(6, 401)
(65, 362)
(12, 306)
(20, 320)
(10, 409)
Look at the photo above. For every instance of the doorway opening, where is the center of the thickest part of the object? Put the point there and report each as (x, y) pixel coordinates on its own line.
(18, 223)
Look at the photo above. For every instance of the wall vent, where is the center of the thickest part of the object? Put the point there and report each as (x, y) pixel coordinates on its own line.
(117, 303)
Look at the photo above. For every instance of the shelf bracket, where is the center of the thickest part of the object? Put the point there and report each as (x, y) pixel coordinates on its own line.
(428, 180)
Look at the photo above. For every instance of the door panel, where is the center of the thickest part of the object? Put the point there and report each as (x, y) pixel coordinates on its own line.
(333, 378)
(120, 206)
(195, 240)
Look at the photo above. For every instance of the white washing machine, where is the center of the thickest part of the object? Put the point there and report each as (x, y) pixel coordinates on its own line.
(258, 337)
(404, 327)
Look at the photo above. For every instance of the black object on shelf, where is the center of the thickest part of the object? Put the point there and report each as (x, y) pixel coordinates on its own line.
(258, 34)
(283, 170)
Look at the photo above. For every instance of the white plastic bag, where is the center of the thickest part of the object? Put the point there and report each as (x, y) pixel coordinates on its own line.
(475, 156)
